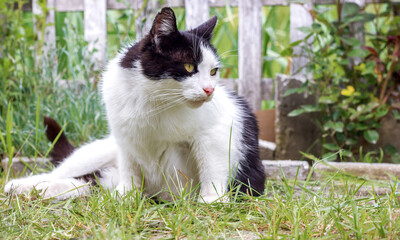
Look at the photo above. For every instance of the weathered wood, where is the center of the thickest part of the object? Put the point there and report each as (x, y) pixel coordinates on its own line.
(50, 31)
(148, 10)
(77, 5)
(196, 12)
(267, 85)
(250, 59)
(95, 26)
(299, 17)
(49, 35)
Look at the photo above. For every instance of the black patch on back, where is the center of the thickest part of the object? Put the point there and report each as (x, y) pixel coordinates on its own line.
(250, 177)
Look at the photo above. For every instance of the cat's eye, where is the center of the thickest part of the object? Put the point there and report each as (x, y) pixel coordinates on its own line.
(189, 67)
(213, 71)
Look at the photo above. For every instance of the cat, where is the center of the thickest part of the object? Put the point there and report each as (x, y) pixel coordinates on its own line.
(172, 126)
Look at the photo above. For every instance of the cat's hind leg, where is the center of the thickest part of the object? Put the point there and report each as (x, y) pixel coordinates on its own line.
(72, 174)
(49, 187)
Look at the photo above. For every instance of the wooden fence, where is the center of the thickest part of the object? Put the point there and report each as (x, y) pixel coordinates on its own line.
(250, 83)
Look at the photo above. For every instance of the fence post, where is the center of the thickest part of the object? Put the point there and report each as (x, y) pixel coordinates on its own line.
(299, 17)
(49, 37)
(250, 58)
(196, 12)
(145, 19)
(95, 25)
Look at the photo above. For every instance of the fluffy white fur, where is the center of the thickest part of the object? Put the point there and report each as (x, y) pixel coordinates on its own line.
(165, 135)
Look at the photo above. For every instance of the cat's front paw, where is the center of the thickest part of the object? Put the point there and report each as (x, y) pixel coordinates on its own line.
(20, 186)
(122, 189)
(210, 198)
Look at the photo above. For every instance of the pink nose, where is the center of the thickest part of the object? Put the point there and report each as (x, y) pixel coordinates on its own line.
(208, 90)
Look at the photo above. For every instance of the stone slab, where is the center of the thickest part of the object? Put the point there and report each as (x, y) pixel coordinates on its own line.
(380, 171)
(21, 164)
(289, 169)
(294, 134)
(267, 149)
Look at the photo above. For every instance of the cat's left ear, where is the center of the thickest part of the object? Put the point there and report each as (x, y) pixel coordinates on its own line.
(205, 30)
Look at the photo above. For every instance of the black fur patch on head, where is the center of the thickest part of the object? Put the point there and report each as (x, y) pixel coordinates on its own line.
(250, 177)
(165, 50)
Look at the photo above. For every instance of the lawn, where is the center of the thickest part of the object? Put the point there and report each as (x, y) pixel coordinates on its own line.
(336, 207)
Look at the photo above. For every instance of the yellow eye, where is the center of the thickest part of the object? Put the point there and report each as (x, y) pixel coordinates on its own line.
(189, 67)
(213, 71)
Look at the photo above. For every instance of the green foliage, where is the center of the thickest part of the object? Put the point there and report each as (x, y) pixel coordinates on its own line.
(33, 84)
(352, 80)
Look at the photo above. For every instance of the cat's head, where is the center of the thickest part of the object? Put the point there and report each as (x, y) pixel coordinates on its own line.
(183, 62)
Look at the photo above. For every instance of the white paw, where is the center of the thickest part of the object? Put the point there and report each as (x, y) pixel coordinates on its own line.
(24, 185)
(49, 188)
(210, 198)
(122, 189)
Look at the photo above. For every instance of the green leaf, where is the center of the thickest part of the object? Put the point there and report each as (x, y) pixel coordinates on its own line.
(296, 112)
(336, 126)
(305, 30)
(350, 8)
(371, 136)
(287, 52)
(350, 141)
(329, 156)
(316, 26)
(357, 52)
(310, 108)
(294, 90)
(354, 42)
(331, 146)
(346, 153)
(381, 112)
(296, 43)
(327, 99)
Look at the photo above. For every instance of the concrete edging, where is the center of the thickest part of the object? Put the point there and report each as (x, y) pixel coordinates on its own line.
(274, 168)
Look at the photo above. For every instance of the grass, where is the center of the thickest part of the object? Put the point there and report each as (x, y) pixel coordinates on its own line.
(336, 207)
(29, 88)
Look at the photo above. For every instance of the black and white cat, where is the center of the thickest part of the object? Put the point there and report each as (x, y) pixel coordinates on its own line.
(171, 124)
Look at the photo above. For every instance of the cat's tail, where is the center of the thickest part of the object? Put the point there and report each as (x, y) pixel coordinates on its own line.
(62, 147)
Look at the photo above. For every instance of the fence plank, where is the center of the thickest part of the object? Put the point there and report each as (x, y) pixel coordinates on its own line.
(196, 12)
(77, 5)
(95, 26)
(250, 48)
(148, 10)
(299, 17)
(49, 35)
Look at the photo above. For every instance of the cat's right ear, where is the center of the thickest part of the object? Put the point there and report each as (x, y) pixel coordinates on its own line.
(164, 25)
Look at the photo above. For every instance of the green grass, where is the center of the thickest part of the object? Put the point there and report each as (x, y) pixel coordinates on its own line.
(29, 88)
(330, 208)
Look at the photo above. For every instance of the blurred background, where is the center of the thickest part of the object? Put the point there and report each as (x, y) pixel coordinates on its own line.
(354, 78)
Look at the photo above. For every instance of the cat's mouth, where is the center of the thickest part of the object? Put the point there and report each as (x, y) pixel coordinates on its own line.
(195, 103)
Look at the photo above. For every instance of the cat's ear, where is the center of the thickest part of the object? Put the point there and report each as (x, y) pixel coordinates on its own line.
(205, 30)
(164, 25)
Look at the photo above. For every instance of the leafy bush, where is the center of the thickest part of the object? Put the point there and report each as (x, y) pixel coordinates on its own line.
(352, 80)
